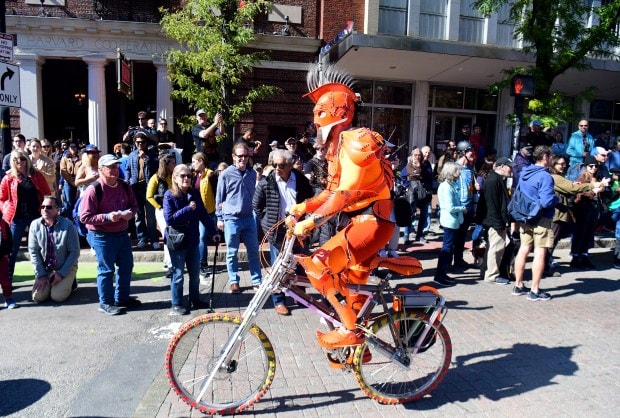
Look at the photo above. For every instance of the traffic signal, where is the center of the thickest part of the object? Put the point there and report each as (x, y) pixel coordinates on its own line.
(523, 85)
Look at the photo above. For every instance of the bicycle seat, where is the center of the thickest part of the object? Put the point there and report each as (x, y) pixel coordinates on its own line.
(405, 265)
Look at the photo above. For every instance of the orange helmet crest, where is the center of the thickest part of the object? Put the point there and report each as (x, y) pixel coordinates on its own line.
(331, 90)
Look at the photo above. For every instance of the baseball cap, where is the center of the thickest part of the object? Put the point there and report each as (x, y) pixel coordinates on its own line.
(525, 145)
(273, 144)
(200, 112)
(91, 148)
(535, 122)
(503, 161)
(108, 160)
(602, 150)
(140, 133)
(291, 140)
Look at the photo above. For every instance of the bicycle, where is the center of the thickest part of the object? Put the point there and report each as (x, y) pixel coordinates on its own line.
(222, 363)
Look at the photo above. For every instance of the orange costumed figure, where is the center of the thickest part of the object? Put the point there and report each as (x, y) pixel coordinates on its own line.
(359, 184)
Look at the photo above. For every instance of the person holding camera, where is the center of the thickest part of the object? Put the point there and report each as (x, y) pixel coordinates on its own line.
(143, 128)
(54, 249)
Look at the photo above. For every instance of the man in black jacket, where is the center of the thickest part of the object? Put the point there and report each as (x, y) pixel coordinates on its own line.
(274, 196)
(494, 209)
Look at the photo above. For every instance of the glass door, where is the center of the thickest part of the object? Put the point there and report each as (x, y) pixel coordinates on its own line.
(444, 127)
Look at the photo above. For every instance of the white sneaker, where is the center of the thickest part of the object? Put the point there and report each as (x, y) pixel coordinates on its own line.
(92, 252)
(382, 253)
(156, 246)
(393, 254)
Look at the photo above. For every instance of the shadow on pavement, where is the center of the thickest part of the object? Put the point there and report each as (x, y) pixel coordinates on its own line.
(18, 394)
(585, 286)
(501, 373)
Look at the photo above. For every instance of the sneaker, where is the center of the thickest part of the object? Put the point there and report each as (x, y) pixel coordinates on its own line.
(501, 281)
(10, 304)
(234, 288)
(204, 273)
(617, 265)
(141, 244)
(109, 309)
(518, 291)
(576, 263)
(156, 246)
(462, 265)
(177, 310)
(92, 252)
(393, 254)
(383, 254)
(131, 302)
(538, 296)
(169, 273)
(444, 281)
(421, 240)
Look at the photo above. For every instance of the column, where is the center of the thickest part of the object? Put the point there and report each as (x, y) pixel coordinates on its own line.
(97, 117)
(453, 20)
(31, 92)
(420, 114)
(164, 89)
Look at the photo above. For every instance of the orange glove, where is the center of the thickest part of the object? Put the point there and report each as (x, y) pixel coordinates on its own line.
(304, 227)
(298, 210)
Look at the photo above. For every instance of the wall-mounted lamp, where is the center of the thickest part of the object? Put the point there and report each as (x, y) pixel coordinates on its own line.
(285, 30)
(42, 12)
(79, 97)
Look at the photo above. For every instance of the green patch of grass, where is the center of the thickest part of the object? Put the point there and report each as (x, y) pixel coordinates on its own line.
(87, 272)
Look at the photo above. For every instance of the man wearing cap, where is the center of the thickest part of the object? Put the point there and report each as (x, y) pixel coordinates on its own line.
(203, 132)
(274, 146)
(291, 146)
(522, 160)
(106, 214)
(536, 136)
(493, 209)
(580, 144)
(142, 164)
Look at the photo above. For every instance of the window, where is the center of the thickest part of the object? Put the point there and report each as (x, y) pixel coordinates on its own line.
(471, 24)
(393, 17)
(433, 17)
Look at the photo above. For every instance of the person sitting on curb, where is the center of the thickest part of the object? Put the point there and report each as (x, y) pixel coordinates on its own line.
(54, 248)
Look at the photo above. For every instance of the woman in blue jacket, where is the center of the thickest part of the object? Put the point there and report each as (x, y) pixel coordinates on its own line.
(450, 218)
(183, 209)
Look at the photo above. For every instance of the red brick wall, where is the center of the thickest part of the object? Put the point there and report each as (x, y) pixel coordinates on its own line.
(336, 14)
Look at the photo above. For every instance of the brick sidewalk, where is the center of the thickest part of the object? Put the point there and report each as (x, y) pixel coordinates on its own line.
(511, 356)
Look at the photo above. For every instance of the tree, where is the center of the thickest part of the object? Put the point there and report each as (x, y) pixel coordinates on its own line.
(561, 35)
(213, 60)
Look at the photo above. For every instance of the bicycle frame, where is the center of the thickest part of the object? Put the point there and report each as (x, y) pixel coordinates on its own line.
(283, 268)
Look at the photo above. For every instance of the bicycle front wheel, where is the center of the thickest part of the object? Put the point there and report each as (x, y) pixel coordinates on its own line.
(193, 352)
(388, 382)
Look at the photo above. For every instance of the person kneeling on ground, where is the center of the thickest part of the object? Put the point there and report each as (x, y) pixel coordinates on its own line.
(54, 249)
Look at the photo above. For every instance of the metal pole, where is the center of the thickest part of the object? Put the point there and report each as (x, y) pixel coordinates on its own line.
(5, 112)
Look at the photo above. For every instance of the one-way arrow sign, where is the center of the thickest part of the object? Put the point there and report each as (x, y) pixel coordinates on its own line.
(9, 85)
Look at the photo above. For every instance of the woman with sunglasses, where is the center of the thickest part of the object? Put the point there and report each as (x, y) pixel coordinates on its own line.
(21, 193)
(183, 210)
(587, 210)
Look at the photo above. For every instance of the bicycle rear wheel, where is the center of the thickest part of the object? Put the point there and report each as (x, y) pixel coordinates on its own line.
(388, 382)
(193, 352)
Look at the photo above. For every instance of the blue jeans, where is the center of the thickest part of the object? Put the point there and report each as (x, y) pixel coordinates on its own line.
(447, 250)
(190, 258)
(69, 196)
(112, 249)
(18, 228)
(235, 232)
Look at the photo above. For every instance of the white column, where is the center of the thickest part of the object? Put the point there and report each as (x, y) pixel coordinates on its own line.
(164, 89)
(420, 114)
(97, 117)
(453, 20)
(505, 133)
(414, 18)
(31, 92)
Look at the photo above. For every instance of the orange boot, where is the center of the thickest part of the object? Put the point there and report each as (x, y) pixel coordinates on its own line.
(345, 335)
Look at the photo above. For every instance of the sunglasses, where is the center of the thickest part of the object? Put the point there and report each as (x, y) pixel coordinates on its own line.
(184, 176)
(274, 165)
(592, 166)
(48, 207)
(140, 142)
(242, 156)
(583, 126)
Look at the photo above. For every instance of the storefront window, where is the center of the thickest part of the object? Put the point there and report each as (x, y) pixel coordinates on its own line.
(449, 97)
(392, 93)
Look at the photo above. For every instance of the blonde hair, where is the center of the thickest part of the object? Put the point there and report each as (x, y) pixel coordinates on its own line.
(450, 171)
(175, 189)
(16, 155)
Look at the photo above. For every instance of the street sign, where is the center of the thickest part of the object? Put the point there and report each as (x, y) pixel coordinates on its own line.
(9, 85)
(6, 47)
